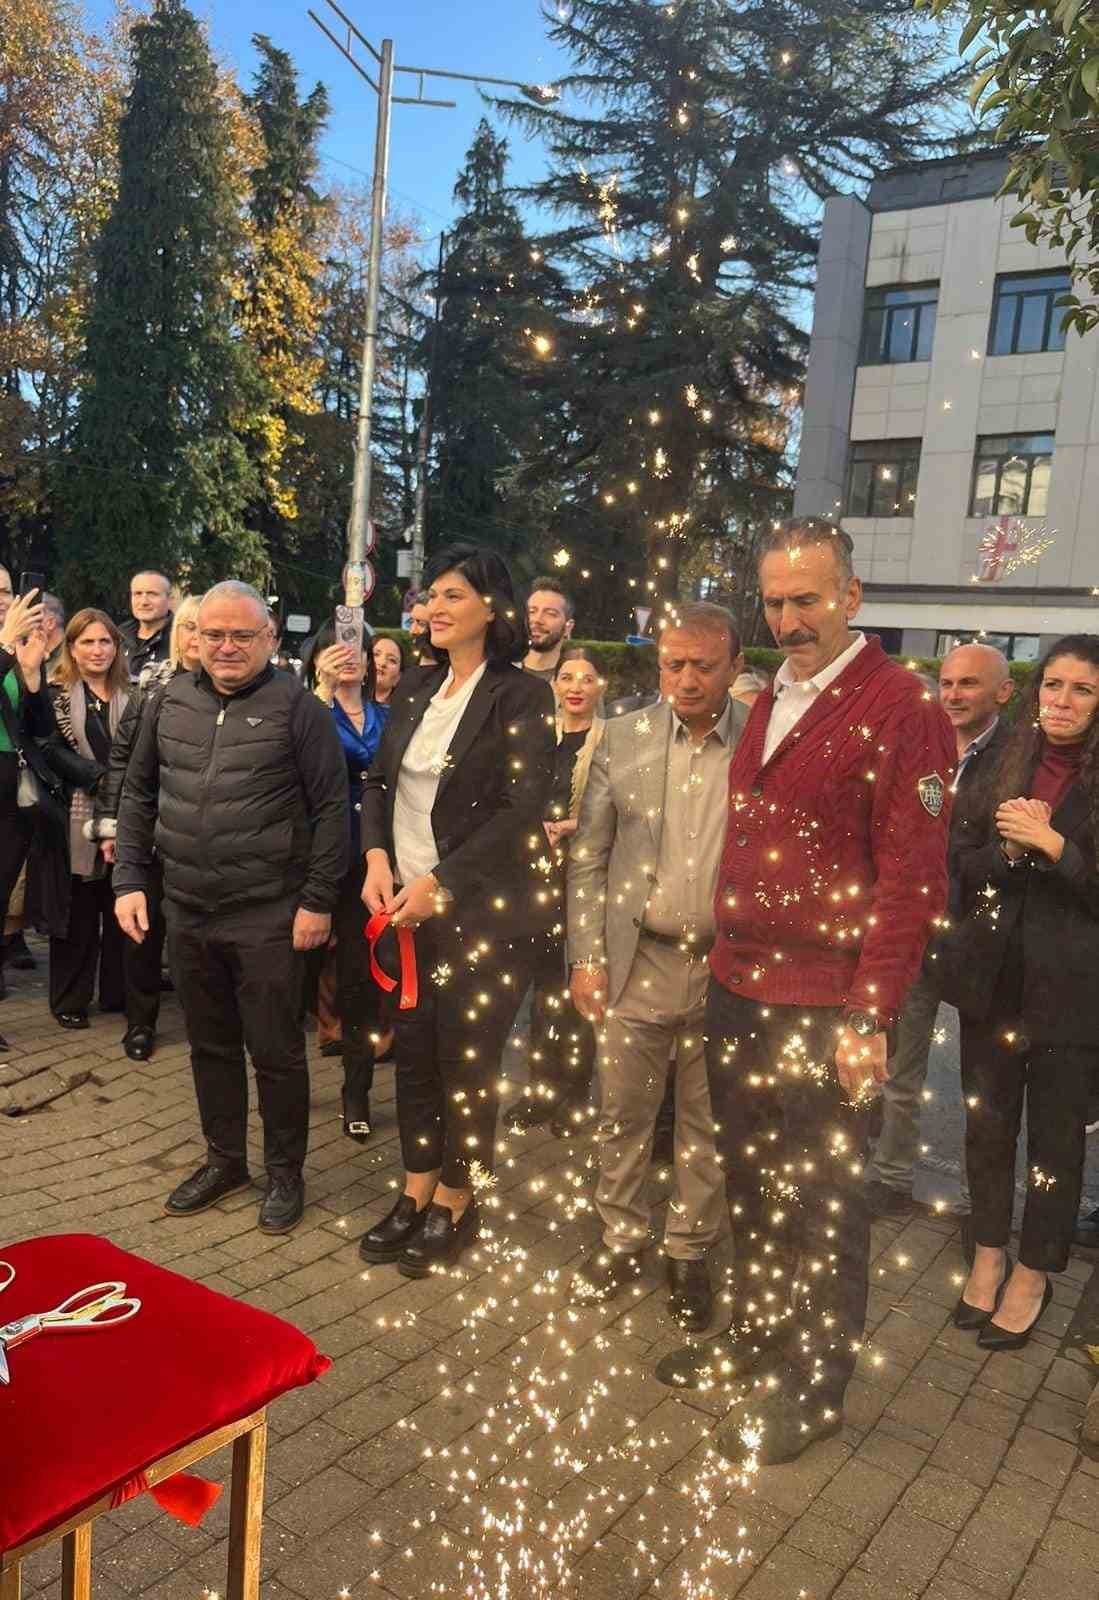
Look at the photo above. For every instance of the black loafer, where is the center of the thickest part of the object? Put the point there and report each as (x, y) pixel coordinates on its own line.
(569, 1119)
(440, 1241)
(883, 1200)
(205, 1188)
(722, 1361)
(1086, 1233)
(73, 1019)
(691, 1301)
(387, 1239)
(529, 1111)
(283, 1204)
(777, 1427)
(602, 1276)
(139, 1043)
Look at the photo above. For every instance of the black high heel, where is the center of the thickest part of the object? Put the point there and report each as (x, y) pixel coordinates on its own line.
(972, 1318)
(993, 1338)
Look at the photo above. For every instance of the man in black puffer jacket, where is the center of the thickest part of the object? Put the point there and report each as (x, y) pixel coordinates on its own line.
(238, 780)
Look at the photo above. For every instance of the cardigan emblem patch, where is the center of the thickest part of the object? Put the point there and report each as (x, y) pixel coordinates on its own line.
(932, 793)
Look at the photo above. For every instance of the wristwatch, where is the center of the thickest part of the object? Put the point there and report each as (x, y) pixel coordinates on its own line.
(864, 1023)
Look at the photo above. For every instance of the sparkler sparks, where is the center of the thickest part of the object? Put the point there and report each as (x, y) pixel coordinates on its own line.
(1009, 544)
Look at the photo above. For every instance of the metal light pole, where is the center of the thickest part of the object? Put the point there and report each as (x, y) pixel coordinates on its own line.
(359, 583)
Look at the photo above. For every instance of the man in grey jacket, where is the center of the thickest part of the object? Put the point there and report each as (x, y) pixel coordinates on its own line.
(238, 781)
(641, 882)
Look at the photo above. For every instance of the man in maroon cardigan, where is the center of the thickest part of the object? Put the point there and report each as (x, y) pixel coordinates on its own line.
(832, 872)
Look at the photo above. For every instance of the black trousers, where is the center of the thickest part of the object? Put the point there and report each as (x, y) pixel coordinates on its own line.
(448, 1048)
(562, 1044)
(999, 1067)
(239, 981)
(792, 1146)
(15, 829)
(92, 945)
(358, 998)
(142, 962)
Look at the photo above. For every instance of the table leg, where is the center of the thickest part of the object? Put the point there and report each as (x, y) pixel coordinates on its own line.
(76, 1564)
(246, 1514)
(10, 1584)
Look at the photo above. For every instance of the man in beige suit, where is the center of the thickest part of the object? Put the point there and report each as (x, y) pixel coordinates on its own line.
(641, 882)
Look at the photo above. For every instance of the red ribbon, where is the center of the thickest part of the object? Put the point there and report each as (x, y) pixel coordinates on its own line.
(410, 982)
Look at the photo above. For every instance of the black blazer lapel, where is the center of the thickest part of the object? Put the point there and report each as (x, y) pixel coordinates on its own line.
(473, 720)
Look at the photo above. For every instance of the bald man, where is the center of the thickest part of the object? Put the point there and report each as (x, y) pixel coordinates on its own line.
(974, 686)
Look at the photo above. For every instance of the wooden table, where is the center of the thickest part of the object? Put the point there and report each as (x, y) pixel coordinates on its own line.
(249, 1440)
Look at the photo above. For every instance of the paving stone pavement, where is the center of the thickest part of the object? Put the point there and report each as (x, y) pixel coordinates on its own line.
(476, 1436)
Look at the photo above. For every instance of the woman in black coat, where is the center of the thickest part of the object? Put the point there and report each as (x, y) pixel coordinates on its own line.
(452, 832)
(1021, 968)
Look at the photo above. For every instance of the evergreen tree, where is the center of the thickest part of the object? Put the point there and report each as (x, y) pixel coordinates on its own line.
(159, 473)
(487, 411)
(688, 188)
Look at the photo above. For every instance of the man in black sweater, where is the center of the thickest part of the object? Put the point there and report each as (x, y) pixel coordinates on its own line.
(974, 687)
(237, 779)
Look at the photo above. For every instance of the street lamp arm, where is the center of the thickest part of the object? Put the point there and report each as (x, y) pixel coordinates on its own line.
(351, 28)
(341, 48)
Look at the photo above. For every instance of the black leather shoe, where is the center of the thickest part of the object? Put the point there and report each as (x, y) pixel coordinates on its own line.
(1086, 1233)
(883, 1200)
(73, 1019)
(386, 1239)
(777, 1427)
(440, 1241)
(570, 1118)
(139, 1043)
(691, 1301)
(722, 1361)
(205, 1188)
(602, 1275)
(992, 1337)
(529, 1111)
(17, 955)
(283, 1204)
(970, 1318)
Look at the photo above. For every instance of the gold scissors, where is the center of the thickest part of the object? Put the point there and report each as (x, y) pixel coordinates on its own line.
(100, 1305)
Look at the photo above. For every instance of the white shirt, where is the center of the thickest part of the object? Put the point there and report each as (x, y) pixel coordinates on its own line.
(424, 762)
(793, 697)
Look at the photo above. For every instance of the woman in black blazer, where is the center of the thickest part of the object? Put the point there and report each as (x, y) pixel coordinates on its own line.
(452, 833)
(1021, 968)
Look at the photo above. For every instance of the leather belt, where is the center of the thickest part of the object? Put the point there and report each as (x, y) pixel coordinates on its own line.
(695, 949)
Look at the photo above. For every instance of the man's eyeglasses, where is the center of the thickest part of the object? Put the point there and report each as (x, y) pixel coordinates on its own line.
(241, 637)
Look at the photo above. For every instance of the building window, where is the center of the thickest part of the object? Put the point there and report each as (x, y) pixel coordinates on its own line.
(1015, 646)
(1025, 313)
(899, 324)
(881, 478)
(1011, 475)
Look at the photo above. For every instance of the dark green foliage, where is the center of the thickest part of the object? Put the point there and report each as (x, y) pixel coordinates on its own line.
(686, 166)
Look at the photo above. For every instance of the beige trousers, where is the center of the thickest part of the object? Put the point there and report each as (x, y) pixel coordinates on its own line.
(658, 1019)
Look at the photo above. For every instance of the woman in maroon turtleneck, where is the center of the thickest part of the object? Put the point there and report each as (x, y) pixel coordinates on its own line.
(1022, 968)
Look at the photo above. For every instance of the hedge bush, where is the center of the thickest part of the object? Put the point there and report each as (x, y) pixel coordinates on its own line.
(631, 668)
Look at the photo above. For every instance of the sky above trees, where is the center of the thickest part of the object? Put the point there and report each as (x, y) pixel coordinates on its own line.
(506, 38)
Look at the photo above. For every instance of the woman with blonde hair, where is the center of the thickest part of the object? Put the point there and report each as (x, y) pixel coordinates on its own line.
(142, 962)
(89, 688)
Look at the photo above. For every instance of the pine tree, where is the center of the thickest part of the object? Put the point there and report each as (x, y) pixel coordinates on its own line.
(487, 410)
(688, 186)
(159, 474)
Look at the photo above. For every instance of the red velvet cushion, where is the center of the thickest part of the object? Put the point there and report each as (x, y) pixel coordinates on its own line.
(85, 1411)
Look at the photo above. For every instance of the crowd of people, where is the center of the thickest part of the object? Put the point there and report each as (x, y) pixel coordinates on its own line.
(736, 905)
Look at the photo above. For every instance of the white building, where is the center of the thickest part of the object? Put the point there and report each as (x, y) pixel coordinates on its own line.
(941, 397)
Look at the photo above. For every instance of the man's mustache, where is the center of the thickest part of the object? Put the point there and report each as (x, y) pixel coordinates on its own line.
(799, 636)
